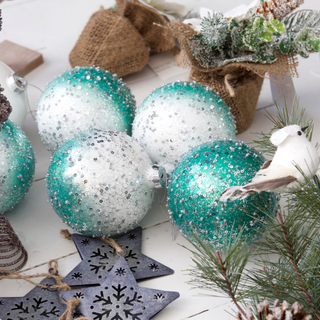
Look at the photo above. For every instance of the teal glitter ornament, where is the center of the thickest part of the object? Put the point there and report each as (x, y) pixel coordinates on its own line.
(101, 183)
(196, 185)
(17, 165)
(179, 116)
(82, 99)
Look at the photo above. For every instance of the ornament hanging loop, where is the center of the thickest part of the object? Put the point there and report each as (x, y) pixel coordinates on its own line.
(53, 267)
(51, 271)
(17, 82)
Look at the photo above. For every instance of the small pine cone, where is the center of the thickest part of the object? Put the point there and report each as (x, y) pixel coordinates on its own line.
(5, 108)
(278, 8)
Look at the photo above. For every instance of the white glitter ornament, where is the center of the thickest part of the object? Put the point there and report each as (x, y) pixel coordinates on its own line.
(102, 183)
(82, 99)
(179, 116)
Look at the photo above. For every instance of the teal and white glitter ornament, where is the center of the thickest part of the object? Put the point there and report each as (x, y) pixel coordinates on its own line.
(82, 99)
(17, 164)
(197, 183)
(101, 183)
(179, 116)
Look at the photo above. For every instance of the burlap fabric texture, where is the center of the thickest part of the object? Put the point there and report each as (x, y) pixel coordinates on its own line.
(120, 41)
(239, 84)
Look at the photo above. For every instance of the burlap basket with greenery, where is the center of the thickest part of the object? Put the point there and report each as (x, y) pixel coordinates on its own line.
(234, 55)
(238, 83)
(120, 41)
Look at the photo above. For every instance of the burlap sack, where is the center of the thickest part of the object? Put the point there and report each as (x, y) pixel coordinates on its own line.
(239, 84)
(148, 22)
(120, 41)
(111, 42)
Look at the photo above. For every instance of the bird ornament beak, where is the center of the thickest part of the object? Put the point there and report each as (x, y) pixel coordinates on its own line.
(304, 128)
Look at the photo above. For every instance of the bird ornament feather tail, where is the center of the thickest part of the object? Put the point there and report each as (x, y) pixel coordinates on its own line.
(294, 151)
(234, 193)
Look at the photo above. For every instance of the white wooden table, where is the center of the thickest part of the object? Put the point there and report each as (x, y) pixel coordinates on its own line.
(52, 28)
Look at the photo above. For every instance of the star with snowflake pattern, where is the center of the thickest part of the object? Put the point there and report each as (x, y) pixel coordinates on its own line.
(98, 259)
(119, 297)
(39, 303)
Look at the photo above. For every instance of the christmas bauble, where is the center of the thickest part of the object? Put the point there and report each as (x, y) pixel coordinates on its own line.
(179, 116)
(102, 183)
(82, 99)
(17, 165)
(197, 183)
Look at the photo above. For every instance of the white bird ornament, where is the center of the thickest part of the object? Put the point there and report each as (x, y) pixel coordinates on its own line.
(294, 150)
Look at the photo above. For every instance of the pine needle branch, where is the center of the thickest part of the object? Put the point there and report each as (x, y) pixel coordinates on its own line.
(295, 267)
(282, 119)
(232, 296)
(220, 270)
(305, 201)
(295, 276)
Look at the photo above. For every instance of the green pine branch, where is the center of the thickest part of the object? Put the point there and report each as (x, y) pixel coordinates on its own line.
(295, 275)
(218, 269)
(305, 201)
(282, 119)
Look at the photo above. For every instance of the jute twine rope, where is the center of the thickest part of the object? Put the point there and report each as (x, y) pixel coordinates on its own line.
(53, 267)
(66, 234)
(53, 273)
(71, 305)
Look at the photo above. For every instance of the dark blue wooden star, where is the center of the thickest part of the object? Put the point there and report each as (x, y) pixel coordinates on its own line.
(98, 258)
(120, 298)
(39, 303)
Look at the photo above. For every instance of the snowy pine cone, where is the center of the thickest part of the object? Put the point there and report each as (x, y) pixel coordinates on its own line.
(278, 8)
(280, 312)
(5, 108)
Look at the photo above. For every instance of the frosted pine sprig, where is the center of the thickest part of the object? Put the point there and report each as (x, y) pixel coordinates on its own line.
(278, 8)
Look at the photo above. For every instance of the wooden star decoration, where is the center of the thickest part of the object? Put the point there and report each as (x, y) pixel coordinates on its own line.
(98, 258)
(39, 303)
(120, 298)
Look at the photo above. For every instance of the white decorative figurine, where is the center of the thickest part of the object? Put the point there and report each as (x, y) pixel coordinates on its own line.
(294, 151)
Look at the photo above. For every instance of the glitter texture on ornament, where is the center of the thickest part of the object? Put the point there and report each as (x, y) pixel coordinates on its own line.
(17, 165)
(199, 179)
(179, 116)
(82, 99)
(101, 183)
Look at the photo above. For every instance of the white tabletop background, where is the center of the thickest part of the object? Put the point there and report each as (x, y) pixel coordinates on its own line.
(52, 28)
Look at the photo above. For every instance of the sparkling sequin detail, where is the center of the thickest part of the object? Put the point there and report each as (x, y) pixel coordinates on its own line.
(98, 183)
(200, 178)
(179, 116)
(82, 99)
(17, 165)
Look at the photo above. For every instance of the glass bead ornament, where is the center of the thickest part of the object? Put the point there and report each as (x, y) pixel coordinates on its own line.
(101, 183)
(198, 181)
(81, 99)
(179, 116)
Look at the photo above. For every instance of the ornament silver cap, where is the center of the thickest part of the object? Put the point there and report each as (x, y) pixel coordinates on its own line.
(158, 176)
(17, 83)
